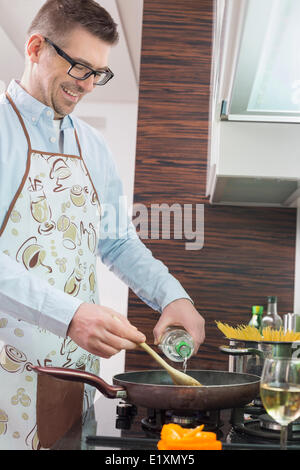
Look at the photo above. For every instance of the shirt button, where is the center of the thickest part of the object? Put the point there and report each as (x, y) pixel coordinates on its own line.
(33, 119)
(52, 140)
(49, 113)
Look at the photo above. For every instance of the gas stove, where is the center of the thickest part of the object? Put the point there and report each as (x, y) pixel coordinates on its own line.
(131, 428)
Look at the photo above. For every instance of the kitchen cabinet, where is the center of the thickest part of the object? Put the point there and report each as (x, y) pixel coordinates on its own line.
(254, 109)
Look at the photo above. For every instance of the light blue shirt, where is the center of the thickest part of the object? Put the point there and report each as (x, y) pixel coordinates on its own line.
(22, 294)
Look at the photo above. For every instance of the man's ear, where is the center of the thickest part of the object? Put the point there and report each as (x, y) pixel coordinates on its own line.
(34, 47)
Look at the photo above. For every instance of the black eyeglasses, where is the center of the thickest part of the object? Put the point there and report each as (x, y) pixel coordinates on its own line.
(81, 71)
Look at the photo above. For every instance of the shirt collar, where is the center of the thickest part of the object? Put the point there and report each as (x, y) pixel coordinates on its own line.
(31, 108)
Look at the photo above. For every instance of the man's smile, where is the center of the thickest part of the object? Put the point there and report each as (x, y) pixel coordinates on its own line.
(71, 94)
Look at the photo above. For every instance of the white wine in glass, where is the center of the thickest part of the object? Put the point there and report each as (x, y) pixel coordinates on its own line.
(280, 392)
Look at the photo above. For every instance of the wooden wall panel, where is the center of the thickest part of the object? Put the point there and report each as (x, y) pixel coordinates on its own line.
(248, 253)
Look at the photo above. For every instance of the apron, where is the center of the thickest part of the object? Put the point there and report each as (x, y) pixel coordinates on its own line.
(52, 228)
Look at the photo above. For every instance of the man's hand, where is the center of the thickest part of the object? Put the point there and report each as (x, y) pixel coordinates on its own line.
(181, 312)
(102, 331)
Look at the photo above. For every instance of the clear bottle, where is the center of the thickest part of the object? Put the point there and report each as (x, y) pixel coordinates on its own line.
(177, 344)
(272, 319)
(257, 311)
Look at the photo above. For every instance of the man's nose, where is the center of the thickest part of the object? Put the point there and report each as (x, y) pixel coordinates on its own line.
(87, 85)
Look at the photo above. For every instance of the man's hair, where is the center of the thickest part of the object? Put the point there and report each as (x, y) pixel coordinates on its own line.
(57, 18)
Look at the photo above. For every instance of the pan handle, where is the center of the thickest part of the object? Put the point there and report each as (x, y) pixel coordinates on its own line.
(76, 375)
(241, 351)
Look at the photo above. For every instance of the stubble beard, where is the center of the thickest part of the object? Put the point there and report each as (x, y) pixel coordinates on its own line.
(56, 102)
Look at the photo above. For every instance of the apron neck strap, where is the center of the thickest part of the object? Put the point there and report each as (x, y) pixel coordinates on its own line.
(25, 130)
(78, 144)
(20, 119)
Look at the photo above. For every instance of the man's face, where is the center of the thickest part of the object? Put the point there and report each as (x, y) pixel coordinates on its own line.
(53, 86)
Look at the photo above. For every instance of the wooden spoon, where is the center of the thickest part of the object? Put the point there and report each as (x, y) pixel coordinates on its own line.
(179, 378)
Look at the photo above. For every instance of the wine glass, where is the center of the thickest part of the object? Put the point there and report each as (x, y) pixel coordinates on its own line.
(280, 392)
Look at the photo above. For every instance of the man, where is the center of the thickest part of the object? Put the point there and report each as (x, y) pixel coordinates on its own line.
(56, 177)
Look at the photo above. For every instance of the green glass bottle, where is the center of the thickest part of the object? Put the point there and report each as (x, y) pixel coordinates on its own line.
(257, 312)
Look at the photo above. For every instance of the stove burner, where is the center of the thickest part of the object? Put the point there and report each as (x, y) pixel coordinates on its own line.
(261, 425)
(151, 428)
(184, 421)
(153, 423)
(266, 422)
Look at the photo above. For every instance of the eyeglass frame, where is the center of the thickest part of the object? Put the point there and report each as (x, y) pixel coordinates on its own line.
(72, 62)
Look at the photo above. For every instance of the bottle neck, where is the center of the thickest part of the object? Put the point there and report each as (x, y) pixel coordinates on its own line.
(272, 309)
(183, 349)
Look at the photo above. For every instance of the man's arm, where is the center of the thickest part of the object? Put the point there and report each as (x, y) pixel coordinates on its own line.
(128, 257)
(95, 328)
(120, 248)
(26, 297)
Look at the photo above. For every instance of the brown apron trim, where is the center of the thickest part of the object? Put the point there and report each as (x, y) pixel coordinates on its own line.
(26, 169)
(56, 154)
(92, 183)
(29, 153)
(87, 171)
(63, 154)
(28, 138)
(21, 120)
(78, 144)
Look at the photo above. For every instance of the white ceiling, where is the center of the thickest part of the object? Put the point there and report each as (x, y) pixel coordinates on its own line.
(17, 15)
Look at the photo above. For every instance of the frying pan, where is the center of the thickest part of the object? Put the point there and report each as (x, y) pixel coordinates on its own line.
(154, 388)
